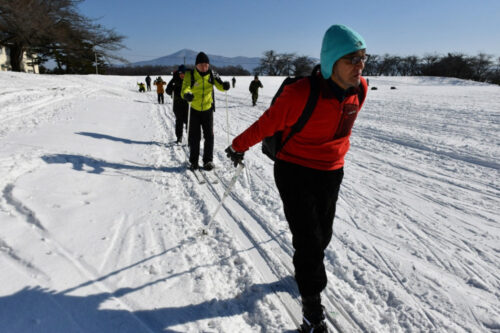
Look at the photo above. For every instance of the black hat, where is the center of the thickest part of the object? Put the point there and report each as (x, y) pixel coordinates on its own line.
(181, 69)
(202, 58)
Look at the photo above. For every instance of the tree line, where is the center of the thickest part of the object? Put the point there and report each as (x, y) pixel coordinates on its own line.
(482, 68)
(284, 64)
(53, 29)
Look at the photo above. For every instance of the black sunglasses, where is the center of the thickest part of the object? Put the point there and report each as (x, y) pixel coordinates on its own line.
(357, 59)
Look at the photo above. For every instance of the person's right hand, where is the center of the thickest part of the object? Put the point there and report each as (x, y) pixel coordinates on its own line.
(188, 97)
(235, 156)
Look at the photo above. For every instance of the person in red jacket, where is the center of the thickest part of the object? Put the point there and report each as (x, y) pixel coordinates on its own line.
(309, 169)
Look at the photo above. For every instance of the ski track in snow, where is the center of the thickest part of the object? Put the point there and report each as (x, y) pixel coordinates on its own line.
(104, 222)
(261, 257)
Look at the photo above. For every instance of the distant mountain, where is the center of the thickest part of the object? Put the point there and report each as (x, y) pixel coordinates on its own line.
(178, 57)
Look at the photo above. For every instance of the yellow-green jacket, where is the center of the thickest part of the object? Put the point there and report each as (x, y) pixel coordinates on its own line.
(202, 88)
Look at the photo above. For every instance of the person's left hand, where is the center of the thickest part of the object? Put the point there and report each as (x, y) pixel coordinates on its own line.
(225, 85)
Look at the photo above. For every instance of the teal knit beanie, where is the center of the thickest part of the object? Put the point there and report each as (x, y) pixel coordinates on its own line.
(338, 41)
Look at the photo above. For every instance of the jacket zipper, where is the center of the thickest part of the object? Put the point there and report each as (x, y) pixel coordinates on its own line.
(202, 93)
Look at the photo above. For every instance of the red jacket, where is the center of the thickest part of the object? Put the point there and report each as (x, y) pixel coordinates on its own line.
(324, 140)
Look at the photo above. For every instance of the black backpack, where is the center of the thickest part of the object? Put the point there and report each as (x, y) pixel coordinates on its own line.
(271, 145)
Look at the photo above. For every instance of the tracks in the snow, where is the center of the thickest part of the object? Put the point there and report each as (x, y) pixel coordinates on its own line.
(271, 254)
(56, 247)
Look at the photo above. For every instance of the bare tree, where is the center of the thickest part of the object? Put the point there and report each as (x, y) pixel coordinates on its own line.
(494, 76)
(482, 65)
(284, 63)
(22, 23)
(302, 66)
(408, 66)
(371, 66)
(53, 28)
(268, 64)
(478, 68)
(430, 59)
(387, 65)
(275, 64)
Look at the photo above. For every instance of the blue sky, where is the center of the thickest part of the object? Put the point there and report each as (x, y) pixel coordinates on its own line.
(157, 28)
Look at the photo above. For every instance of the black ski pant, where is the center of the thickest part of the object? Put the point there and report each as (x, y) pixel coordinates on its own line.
(309, 198)
(180, 112)
(201, 120)
(255, 96)
(160, 98)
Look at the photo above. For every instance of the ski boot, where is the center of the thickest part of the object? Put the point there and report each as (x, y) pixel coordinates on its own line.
(308, 327)
(208, 166)
(313, 315)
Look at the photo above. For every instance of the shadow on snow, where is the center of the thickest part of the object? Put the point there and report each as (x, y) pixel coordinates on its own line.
(98, 166)
(35, 309)
(113, 138)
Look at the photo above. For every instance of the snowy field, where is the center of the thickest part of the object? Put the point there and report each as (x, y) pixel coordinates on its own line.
(100, 224)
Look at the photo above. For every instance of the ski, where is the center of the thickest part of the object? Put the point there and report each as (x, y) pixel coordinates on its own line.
(198, 176)
(202, 176)
(210, 176)
(174, 144)
(179, 144)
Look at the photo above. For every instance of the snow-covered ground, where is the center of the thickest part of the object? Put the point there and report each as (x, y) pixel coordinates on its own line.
(100, 224)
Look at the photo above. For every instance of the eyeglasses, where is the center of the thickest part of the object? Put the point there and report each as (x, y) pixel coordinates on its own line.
(357, 59)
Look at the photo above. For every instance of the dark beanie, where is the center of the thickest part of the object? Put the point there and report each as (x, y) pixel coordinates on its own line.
(181, 69)
(202, 58)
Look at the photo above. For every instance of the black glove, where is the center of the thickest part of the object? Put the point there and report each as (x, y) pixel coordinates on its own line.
(225, 85)
(188, 97)
(235, 156)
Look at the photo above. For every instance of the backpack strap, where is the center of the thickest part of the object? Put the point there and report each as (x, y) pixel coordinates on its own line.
(312, 100)
(211, 79)
(361, 94)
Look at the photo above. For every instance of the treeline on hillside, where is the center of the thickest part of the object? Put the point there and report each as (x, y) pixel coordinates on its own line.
(483, 67)
(167, 70)
(284, 64)
(54, 30)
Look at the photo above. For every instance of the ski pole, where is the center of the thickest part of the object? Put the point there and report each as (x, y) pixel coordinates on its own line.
(239, 169)
(173, 97)
(227, 121)
(189, 120)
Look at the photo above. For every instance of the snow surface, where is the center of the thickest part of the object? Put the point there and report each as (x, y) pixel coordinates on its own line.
(100, 224)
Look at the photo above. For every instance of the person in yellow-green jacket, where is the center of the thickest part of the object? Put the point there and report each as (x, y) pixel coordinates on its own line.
(198, 90)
